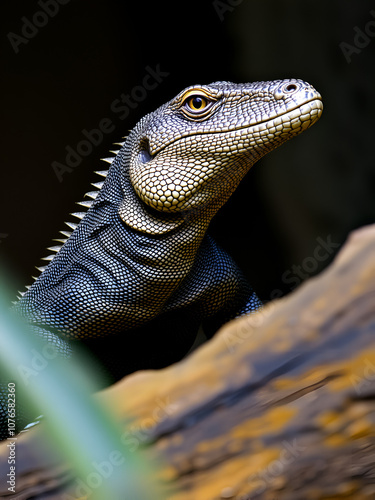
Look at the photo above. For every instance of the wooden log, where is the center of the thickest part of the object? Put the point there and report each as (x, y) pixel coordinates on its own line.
(278, 405)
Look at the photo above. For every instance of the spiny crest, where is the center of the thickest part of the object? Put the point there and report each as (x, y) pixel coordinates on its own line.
(72, 225)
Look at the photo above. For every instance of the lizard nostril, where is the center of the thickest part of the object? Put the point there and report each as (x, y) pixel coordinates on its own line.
(291, 87)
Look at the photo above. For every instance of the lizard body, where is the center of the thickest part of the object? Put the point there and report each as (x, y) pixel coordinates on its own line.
(139, 273)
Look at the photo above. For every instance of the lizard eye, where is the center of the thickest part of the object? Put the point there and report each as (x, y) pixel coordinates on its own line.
(196, 103)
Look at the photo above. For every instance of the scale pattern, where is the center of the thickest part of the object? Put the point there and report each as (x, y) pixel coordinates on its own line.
(139, 274)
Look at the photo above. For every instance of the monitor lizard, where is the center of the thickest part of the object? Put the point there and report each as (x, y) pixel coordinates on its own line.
(138, 274)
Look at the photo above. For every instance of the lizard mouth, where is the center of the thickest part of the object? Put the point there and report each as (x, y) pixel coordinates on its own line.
(195, 165)
(291, 122)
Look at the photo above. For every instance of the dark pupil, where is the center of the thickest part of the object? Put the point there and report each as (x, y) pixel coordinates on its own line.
(197, 102)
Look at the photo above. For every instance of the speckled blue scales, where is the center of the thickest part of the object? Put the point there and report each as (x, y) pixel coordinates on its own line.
(139, 274)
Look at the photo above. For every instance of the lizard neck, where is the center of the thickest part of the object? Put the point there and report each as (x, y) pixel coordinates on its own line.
(137, 228)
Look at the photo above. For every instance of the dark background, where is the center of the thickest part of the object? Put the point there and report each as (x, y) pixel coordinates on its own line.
(64, 80)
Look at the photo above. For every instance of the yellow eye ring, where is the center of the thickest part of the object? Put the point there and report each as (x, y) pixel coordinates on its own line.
(197, 103)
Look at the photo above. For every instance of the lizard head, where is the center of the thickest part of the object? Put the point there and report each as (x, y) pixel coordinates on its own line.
(191, 153)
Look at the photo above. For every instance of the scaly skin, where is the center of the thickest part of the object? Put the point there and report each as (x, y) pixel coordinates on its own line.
(139, 274)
